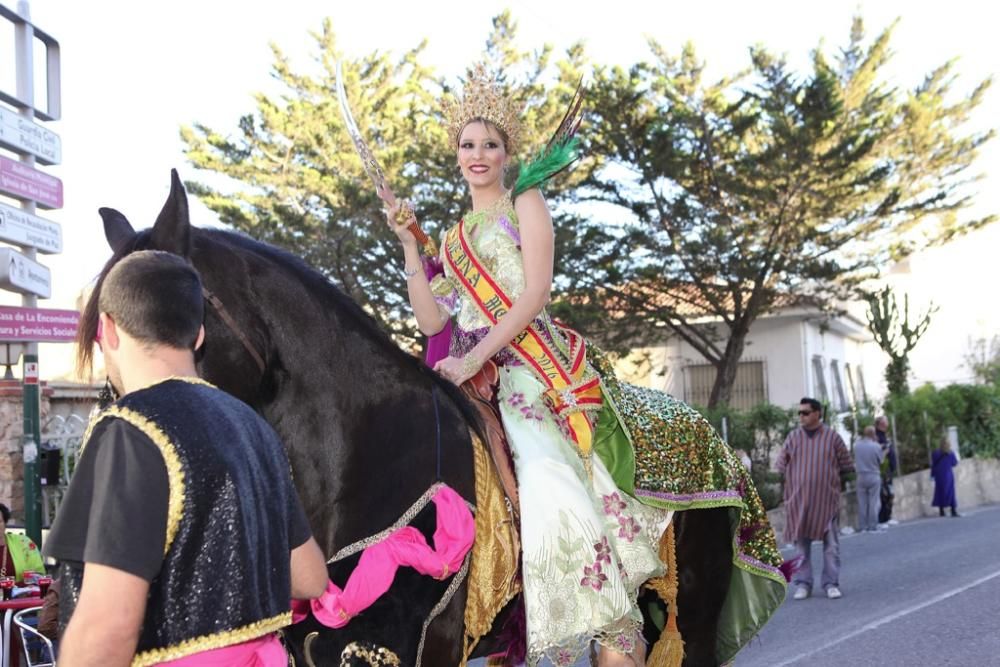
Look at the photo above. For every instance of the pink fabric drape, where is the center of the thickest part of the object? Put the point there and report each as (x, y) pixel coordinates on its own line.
(262, 652)
(374, 574)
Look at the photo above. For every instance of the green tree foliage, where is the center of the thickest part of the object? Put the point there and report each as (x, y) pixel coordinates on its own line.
(983, 359)
(722, 198)
(294, 179)
(760, 432)
(922, 417)
(894, 333)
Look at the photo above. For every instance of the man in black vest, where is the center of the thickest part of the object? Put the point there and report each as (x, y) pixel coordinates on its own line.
(181, 537)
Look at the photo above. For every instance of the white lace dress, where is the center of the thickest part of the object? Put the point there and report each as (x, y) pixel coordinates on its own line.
(587, 546)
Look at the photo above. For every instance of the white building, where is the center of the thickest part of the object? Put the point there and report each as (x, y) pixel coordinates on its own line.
(790, 353)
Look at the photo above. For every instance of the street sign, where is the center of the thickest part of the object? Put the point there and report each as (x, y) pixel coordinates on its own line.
(28, 230)
(38, 325)
(20, 274)
(20, 134)
(31, 372)
(20, 180)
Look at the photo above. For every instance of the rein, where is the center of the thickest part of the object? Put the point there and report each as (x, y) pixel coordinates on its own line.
(231, 323)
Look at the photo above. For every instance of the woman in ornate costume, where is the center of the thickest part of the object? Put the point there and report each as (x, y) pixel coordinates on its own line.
(594, 496)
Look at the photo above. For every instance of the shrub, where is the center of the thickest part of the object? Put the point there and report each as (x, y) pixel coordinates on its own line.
(922, 417)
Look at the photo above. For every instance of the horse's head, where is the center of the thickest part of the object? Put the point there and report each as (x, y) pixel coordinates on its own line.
(172, 232)
(368, 428)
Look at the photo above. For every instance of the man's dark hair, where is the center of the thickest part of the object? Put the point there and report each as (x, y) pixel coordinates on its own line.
(5, 512)
(155, 297)
(813, 403)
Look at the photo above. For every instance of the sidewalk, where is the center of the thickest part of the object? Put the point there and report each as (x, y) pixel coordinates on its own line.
(977, 482)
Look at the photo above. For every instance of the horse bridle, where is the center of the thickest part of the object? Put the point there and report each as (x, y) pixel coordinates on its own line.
(231, 323)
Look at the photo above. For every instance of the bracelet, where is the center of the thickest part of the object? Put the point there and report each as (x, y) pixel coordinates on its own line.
(409, 273)
(470, 364)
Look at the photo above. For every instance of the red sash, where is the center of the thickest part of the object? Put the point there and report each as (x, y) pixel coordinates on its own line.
(556, 354)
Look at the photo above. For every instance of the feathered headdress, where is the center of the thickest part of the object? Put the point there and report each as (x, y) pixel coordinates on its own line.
(483, 97)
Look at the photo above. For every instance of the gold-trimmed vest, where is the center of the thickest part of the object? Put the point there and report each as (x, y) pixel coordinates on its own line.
(225, 577)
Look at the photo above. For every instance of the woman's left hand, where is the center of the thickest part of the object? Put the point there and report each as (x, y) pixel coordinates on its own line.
(458, 370)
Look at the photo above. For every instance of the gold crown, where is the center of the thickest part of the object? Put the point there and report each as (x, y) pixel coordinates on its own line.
(484, 98)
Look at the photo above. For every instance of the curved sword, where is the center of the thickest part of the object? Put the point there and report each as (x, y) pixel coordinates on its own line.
(374, 169)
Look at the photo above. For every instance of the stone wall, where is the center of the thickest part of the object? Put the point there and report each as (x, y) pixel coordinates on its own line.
(11, 444)
(977, 482)
(60, 401)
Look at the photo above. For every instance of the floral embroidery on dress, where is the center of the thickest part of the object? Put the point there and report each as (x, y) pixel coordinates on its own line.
(624, 642)
(628, 528)
(603, 550)
(613, 504)
(593, 577)
(516, 399)
(532, 412)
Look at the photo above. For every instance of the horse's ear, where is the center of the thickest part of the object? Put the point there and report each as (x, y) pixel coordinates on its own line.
(117, 229)
(172, 231)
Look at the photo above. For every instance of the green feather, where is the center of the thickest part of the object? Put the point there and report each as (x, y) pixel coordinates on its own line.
(547, 163)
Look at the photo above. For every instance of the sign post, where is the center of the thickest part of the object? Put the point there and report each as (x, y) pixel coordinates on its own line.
(31, 442)
(20, 179)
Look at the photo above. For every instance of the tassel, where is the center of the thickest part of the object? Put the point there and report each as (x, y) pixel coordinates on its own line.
(668, 651)
(790, 567)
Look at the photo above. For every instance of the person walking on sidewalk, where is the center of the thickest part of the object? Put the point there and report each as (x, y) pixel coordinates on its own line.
(813, 459)
(942, 462)
(868, 455)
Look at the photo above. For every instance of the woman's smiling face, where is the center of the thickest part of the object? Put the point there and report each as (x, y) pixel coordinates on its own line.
(481, 154)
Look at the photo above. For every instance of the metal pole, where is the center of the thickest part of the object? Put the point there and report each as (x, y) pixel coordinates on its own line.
(24, 43)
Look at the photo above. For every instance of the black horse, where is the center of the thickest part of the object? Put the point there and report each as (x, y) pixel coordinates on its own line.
(368, 429)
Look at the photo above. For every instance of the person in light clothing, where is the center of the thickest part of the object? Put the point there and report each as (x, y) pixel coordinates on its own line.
(868, 455)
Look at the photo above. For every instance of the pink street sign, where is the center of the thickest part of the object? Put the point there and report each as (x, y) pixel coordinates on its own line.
(40, 325)
(20, 180)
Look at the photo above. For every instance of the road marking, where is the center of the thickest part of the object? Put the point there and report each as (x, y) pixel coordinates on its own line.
(889, 619)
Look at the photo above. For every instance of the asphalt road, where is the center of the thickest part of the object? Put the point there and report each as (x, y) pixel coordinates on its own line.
(926, 592)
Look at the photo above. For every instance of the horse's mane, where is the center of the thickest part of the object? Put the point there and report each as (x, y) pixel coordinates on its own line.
(332, 297)
(319, 286)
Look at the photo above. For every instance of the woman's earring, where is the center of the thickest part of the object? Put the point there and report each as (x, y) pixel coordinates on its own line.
(106, 396)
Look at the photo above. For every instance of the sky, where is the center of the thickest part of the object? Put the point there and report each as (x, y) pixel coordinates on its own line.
(134, 72)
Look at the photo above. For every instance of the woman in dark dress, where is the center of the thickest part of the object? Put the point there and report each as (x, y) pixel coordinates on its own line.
(942, 462)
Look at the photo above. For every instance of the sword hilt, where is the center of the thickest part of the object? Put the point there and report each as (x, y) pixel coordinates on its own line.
(406, 213)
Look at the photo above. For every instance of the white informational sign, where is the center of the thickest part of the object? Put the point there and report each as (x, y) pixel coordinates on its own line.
(20, 274)
(19, 134)
(28, 230)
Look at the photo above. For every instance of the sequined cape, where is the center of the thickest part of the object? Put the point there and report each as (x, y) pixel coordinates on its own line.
(667, 455)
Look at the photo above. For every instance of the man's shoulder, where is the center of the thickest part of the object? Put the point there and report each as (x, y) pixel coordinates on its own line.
(831, 432)
(865, 443)
(115, 422)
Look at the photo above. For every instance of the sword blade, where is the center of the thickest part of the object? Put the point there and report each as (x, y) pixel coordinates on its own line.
(368, 161)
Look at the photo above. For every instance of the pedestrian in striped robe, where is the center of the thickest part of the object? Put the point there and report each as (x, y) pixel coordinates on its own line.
(812, 460)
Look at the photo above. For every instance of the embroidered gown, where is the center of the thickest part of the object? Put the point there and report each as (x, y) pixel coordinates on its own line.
(591, 525)
(587, 547)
